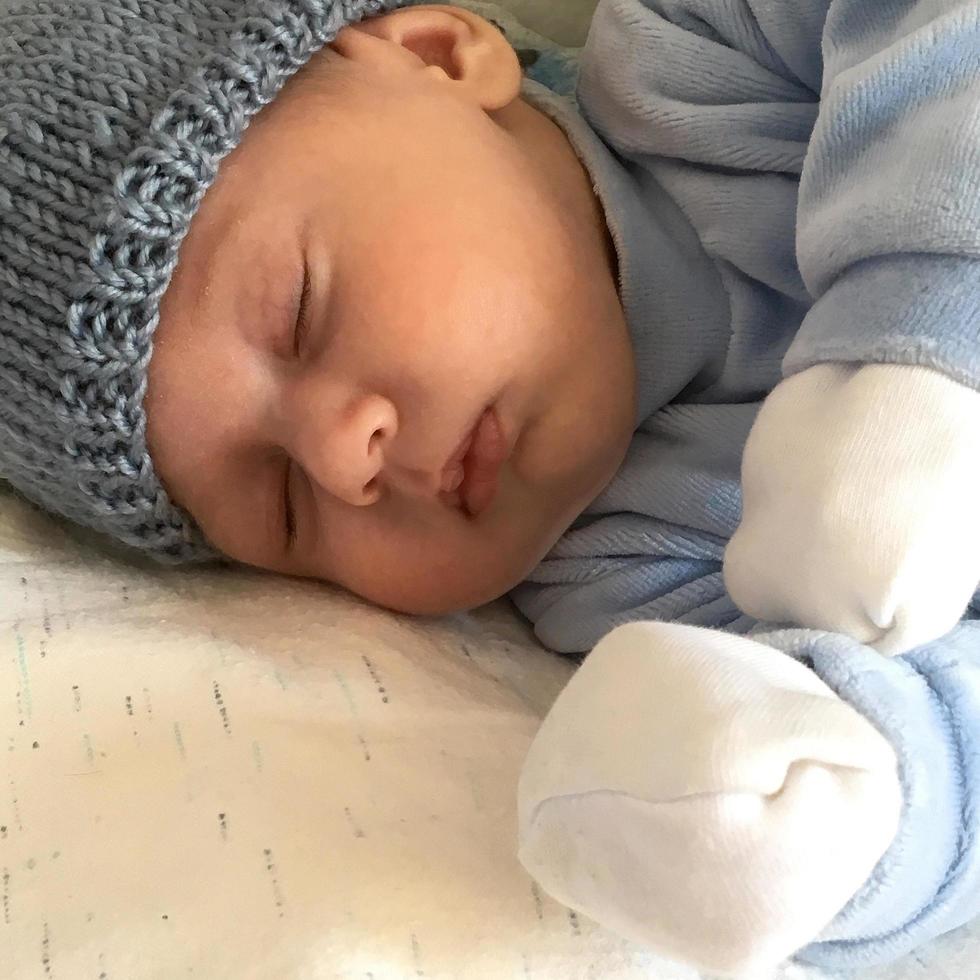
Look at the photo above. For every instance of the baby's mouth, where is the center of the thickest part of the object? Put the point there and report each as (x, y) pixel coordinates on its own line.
(481, 465)
(454, 473)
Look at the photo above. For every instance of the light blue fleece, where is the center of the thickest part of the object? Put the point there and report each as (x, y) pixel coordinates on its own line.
(787, 182)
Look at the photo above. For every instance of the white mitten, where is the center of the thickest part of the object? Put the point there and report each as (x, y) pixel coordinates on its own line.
(706, 796)
(860, 515)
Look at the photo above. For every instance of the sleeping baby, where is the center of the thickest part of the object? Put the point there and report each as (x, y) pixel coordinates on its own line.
(686, 365)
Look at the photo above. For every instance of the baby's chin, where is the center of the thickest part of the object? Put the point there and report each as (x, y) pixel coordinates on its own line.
(496, 559)
(432, 596)
(443, 593)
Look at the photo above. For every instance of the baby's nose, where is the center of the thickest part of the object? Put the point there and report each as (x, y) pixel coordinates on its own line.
(345, 454)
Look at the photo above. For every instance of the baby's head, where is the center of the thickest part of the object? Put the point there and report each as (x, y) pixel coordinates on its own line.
(397, 247)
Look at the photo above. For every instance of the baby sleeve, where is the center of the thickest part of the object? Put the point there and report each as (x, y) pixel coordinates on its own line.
(874, 104)
(860, 474)
(888, 224)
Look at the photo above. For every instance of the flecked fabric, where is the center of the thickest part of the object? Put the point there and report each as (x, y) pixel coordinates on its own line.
(114, 117)
(786, 184)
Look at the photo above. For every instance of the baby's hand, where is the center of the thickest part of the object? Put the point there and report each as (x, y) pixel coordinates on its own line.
(860, 487)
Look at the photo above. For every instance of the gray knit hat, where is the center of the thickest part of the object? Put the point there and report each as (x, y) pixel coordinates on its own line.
(114, 116)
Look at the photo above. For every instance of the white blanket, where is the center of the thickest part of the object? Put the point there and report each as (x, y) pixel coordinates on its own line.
(232, 774)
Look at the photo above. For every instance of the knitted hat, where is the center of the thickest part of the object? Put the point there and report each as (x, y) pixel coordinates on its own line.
(114, 116)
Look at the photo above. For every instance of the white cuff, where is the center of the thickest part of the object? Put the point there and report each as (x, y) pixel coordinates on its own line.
(859, 505)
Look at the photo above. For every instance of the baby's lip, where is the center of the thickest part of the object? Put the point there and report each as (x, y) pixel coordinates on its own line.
(489, 451)
(452, 472)
(470, 480)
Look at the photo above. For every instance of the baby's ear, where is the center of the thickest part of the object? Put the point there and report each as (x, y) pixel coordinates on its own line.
(450, 44)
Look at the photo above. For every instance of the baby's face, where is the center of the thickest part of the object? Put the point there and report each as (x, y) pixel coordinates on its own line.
(448, 269)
